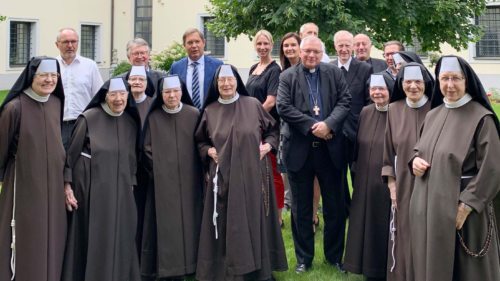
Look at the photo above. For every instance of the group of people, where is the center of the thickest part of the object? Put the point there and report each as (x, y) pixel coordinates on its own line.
(154, 176)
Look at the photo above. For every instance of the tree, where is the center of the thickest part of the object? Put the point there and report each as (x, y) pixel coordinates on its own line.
(430, 22)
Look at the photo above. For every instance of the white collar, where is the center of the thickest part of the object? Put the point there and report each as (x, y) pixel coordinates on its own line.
(141, 99)
(30, 93)
(106, 109)
(172, 111)
(229, 101)
(382, 108)
(417, 104)
(201, 61)
(461, 102)
(346, 65)
(76, 59)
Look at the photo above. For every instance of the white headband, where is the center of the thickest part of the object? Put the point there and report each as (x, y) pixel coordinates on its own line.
(413, 72)
(450, 64)
(138, 71)
(171, 82)
(377, 80)
(116, 84)
(47, 65)
(226, 71)
(398, 58)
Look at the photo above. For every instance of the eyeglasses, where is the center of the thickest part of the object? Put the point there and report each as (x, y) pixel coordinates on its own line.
(453, 79)
(46, 75)
(67, 42)
(308, 52)
(139, 54)
(417, 82)
(226, 79)
(388, 54)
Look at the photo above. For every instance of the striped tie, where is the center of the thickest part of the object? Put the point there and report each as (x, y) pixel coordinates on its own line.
(195, 93)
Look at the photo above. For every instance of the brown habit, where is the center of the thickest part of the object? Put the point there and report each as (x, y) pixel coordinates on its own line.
(249, 245)
(458, 143)
(367, 238)
(143, 108)
(174, 197)
(401, 134)
(101, 238)
(31, 151)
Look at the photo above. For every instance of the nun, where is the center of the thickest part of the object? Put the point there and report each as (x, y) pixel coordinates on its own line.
(240, 232)
(174, 195)
(100, 176)
(367, 237)
(454, 230)
(33, 216)
(410, 102)
(141, 88)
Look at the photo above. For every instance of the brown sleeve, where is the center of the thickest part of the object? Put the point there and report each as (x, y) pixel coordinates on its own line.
(203, 139)
(270, 132)
(75, 147)
(10, 119)
(389, 152)
(485, 185)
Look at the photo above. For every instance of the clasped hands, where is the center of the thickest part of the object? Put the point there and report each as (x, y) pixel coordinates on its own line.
(321, 130)
(264, 149)
(71, 202)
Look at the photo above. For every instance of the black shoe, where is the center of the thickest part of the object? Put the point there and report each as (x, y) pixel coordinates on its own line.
(339, 267)
(301, 268)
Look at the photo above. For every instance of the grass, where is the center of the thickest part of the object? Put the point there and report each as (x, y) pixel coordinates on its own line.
(3, 93)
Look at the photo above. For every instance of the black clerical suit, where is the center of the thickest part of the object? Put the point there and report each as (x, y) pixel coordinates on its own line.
(378, 65)
(307, 156)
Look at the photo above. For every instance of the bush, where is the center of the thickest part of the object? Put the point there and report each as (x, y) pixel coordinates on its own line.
(122, 67)
(165, 59)
(494, 95)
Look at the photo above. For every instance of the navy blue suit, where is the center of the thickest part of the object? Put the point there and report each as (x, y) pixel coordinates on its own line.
(211, 64)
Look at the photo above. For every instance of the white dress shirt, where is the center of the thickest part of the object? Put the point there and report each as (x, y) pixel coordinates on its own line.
(346, 65)
(201, 78)
(81, 80)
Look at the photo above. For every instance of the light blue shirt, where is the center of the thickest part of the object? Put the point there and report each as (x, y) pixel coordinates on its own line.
(201, 77)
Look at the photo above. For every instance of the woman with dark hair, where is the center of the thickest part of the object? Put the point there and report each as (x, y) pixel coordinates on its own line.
(410, 102)
(33, 217)
(262, 84)
(454, 232)
(174, 195)
(240, 235)
(100, 176)
(289, 50)
(367, 237)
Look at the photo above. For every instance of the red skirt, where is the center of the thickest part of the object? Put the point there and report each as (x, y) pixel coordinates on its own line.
(279, 186)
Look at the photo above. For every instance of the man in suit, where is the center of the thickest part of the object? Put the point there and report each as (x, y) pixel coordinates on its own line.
(138, 54)
(196, 70)
(313, 98)
(390, 48)
(356, 74)
(362, 49)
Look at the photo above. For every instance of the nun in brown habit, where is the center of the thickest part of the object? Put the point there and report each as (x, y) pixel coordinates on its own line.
(31, 165)
(240, 233)
(410, 102)
(141, 88)
(100, 175)
(174, 195)
(454, 231)
(367, 237)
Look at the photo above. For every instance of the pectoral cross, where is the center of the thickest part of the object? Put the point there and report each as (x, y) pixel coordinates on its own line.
(316, 110)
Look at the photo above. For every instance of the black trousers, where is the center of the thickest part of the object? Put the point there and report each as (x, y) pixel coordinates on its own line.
(331, 181)
(66, 130)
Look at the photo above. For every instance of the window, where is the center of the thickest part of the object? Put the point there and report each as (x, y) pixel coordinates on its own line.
(143, 20)
(20, 43)
(214, 45)
(276, 48)
(88, 41)
(489, 45)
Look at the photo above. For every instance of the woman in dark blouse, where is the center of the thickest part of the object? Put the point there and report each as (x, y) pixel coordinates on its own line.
(262, 84)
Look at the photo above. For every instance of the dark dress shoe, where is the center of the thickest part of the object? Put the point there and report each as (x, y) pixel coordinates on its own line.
(301, 268)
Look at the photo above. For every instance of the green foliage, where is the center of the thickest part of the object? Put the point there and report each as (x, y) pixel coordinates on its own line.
(3, 94)
(165, 59)
(122, 67)
(494, 95)
(430, 22)
(2, 18)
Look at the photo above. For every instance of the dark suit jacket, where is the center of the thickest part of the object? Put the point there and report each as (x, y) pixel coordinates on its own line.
(294, 107)
(359, 72)
(211, 65)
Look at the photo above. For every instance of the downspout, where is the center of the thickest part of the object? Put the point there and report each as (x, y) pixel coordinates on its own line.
(112, 43)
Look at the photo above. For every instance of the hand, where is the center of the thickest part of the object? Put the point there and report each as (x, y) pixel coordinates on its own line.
(419, 166)
(212, 152)
(321, 130)
(392, 190)
(71, 202)
(462, 214)
(264, 149)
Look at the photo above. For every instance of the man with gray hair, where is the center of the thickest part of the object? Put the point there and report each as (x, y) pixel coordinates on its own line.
(313, 98)
(312, 29)
(138, 54)
(80, 78)
(362, 49)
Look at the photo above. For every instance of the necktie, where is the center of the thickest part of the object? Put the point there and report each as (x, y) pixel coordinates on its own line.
(195, 93)
(344, 70)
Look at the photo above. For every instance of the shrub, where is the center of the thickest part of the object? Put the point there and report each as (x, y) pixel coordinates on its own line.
(122, 67)
(165, 59)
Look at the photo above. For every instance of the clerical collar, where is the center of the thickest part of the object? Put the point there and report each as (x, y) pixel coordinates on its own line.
(461, 102)
(311, 71)
(30, 93)
(106, 109)
(417, 104)
(382, 108)
(172, 111)
(141, 99)
(231, 100)
(346, 65)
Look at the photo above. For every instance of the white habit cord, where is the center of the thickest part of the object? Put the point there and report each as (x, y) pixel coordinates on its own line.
(13, 226)
(216, 190)
(392, 230)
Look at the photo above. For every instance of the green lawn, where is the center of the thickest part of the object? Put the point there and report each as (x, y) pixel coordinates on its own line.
(3, 93)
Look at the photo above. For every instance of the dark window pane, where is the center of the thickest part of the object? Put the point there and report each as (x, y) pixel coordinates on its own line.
(20, 43)
(88, 41)
(489, 45)
(143, 19)
(276, 48)
(214, 44)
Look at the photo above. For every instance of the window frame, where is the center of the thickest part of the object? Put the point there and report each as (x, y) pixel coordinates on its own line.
(473, 47)
(142, 20)
(97, 41)
(201, 23)
(34, 41)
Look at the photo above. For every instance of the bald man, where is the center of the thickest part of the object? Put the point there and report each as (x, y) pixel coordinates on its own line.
(311, 29)
(362, 49)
